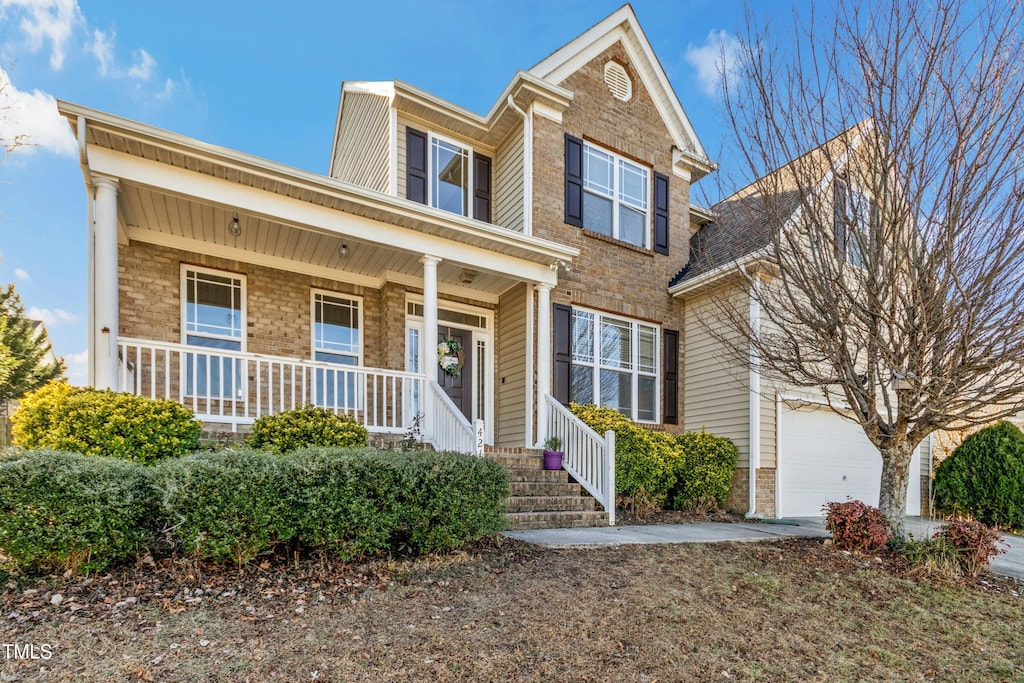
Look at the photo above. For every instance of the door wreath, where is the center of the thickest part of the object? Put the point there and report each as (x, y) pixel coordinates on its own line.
(450, 356)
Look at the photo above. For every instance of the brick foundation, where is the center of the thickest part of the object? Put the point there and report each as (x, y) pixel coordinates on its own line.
(738, 500)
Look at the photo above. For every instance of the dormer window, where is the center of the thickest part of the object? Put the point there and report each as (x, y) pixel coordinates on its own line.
(855, 213)
(446, 175)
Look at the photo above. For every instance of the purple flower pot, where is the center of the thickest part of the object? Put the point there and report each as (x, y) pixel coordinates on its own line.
(552, 460)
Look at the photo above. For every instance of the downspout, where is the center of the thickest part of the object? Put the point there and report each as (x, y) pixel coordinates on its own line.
(83, 160)
(754, 449)
(527, 164)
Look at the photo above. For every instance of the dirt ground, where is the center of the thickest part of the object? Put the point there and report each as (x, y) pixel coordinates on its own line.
(793, 610)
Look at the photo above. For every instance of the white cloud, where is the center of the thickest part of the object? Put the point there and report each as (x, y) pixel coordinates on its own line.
(51, 317)
(31, 119)
(143, 67)
(102, 48)
(22, 274)
(720, 54)
(44, 21)
(77, 365)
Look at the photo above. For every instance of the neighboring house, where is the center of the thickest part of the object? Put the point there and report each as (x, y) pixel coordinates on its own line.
(535, 244)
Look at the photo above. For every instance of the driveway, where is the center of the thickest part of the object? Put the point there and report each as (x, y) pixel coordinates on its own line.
(1010, 563)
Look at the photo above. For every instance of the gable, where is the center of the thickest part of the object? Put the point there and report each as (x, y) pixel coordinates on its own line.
(623, 28)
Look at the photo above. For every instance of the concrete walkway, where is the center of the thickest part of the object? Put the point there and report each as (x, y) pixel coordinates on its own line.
(1009, 564)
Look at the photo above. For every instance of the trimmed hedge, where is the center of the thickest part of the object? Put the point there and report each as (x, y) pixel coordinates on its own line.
(686, 471)
(67, 511)
(237, 505)
(93, 422)
(306, 427)
(984, 477)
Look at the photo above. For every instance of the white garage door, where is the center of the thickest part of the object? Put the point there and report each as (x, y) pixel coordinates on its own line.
(825, 458)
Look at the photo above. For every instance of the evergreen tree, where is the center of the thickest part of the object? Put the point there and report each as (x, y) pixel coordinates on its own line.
(23, 365)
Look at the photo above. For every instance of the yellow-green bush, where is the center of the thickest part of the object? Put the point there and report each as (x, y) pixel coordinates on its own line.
(94, 422)
(307, 427)
(691, 470)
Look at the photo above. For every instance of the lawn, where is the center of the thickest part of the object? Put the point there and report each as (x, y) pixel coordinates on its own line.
(793, 610)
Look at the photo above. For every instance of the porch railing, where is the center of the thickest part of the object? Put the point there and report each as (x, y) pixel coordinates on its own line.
(236, 388)
(448, 430)
(588, 457)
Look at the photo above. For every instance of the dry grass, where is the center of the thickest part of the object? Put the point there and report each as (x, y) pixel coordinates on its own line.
(793, 610)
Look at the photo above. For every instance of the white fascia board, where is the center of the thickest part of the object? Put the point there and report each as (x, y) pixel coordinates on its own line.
(687, 286)
(408, 280)
(294, 212)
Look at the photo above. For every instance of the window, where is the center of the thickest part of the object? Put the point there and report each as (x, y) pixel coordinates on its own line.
(449, 179)
(615, 193)
(855, 216)
(447, 175)
(615, 364)
(213, 316)
(337, 339)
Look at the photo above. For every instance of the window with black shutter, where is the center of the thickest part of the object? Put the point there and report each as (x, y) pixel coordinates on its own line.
(416, 165)
(561, 327)
(670, 378)
(661, 186)
(482, 188)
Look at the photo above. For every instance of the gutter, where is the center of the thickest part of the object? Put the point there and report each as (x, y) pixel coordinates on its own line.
(754, 446)
(527, 164)
(688, 286)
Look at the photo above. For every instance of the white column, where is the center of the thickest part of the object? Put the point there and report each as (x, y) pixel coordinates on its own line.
(543, 359)
(428, 349)
(104, 347)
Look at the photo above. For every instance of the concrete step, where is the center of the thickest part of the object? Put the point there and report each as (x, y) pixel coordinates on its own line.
(545, 488)
(528, 474)
(550, 504)
(556, 520)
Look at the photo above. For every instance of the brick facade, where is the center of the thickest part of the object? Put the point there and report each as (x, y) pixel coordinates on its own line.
(609, 275)
(738, 501)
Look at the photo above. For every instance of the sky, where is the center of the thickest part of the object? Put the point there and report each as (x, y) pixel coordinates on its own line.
(265, 80)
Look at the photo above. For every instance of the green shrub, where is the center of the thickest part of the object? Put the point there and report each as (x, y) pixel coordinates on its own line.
(231, 505)
(236, 505)
(68, 511)
(94, 422)
(304, 428)
(856, 526)
(704, 473)
(645, 461)
(984, 477)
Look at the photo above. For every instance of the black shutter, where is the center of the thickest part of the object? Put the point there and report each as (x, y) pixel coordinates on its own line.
(573, 181)
(670, 378)
(416, 165)
(661, 213)
(482, 188)
(561, 322)
(840, 193)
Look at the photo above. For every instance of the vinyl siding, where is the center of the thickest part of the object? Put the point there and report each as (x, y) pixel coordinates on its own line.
(510, 384)
(362, 154)
(715, 385)
(768, 427)
(508, 181)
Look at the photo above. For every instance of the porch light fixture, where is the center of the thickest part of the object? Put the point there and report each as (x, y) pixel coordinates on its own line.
(343, 251)
(235, 229)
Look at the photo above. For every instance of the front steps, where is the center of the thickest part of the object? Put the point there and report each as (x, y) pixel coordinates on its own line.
(544, 499)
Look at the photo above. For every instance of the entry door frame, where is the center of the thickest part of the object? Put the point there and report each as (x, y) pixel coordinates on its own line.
(484, 372)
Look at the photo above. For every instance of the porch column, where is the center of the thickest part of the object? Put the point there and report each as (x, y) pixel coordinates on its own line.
(543, 359)
(428, 349)
(105, 330)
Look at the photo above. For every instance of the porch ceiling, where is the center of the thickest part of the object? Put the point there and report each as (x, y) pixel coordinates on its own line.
(154, 217)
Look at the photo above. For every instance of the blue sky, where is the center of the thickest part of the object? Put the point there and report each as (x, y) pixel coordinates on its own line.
(265, 81)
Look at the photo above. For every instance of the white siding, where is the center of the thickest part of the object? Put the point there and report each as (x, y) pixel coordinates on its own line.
(508, 181)
(715, 384)
(362, 154)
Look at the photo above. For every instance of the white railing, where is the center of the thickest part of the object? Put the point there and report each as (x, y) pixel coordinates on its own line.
(447, 428)
(236, 388)
(587, 456)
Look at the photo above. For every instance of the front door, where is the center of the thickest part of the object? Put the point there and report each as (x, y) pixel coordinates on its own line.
(459, 385)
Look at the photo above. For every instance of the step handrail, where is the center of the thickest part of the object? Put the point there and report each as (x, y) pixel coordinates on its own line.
(587, 456)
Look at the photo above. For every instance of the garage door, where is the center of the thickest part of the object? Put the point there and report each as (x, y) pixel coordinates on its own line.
(825, 458)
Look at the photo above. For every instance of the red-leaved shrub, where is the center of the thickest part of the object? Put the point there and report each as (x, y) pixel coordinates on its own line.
(975, 544)
(856, 526)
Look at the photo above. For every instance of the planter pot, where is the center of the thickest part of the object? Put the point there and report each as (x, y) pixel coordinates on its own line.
(552, 460)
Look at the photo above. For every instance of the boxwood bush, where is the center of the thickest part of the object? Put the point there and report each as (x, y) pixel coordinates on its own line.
(93, 422)
(984, 477)
(236, 505)
(690, 470)
(305, 427)
(67, 511)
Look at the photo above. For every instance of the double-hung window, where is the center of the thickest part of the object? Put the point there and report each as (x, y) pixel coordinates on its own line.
(615, 196)
(213, 316)
(615, 364)
(337, 339)
(855, 216)
(447, 175)
(450, 176)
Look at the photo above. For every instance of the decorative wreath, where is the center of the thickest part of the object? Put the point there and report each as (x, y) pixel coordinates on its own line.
(450, 357)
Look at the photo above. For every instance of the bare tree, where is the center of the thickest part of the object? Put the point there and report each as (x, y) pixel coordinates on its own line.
(887, 220)
(9, 140)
